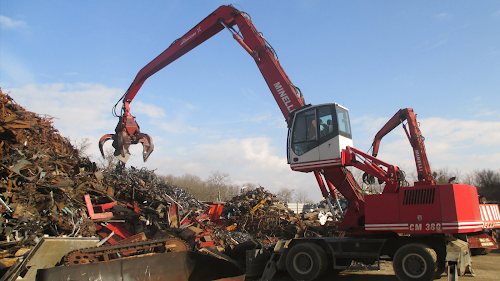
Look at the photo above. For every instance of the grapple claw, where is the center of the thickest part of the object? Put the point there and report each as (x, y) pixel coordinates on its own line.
(121, 143)
(104, 139)
(148, 147)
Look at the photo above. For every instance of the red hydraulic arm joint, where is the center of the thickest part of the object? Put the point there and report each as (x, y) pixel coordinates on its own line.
(285, 93)
(416, 140)
(391, 175)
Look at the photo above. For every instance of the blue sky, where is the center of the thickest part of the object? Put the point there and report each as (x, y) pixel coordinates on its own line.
(211, 109)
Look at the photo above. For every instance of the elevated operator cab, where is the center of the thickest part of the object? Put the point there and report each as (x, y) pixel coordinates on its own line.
(317, 136)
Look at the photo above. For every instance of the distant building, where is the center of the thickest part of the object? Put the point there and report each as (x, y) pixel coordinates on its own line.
(298, 208)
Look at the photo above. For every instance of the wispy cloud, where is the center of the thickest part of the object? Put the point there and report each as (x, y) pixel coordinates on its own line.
(432, 44)
(248, 93)
(422, 45)
(150, 110)
(444, 16)
(488, 113)
(184, 104)
(496, 15)
(177, 126)
(15, 70)
(442, 42)
(8, 23)
(493, 51)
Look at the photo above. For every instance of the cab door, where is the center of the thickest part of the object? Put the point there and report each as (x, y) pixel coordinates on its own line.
(334, 132)
(303, 139)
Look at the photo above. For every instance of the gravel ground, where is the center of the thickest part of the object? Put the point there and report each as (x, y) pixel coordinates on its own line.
(485, 267)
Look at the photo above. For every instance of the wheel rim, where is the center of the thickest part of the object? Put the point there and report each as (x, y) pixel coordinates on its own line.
(303, 263)
(414, 265)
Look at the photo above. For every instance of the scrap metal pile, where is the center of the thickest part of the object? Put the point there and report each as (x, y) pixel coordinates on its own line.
(260, 214)
(42, 179)
(47, 189)
(257, 213)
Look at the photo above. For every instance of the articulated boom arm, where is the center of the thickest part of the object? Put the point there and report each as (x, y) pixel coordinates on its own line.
(341, 179)
(285, 93)
(416, 140)
(392, 176)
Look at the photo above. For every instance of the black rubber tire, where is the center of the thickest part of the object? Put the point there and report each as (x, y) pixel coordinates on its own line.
(306, 262)
(480, 251)
(441, 264)
(485, 251)
(441, 268)
(415, 262)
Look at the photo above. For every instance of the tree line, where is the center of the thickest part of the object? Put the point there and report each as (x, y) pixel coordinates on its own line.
(218, 187)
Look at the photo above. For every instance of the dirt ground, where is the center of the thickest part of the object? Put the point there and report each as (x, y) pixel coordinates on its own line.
(485, 267)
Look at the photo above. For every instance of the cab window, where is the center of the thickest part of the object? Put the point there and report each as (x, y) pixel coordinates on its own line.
(344, 123)
(327, 123)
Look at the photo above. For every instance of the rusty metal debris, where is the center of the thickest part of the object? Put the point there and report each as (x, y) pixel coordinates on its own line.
(48, 190)
(260, 214)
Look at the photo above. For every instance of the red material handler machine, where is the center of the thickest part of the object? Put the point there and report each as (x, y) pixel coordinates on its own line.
(421, 228)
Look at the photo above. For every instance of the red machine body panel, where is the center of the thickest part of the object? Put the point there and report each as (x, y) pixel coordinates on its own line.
(420, 203)
(460, 209)
(382, 210)
(450, 208)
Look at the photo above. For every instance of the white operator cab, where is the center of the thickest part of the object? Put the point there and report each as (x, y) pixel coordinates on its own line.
(317, 136)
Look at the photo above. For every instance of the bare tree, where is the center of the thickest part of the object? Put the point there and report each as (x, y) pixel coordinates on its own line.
(108, 161)
(302, 196)
(219, 182)
(82, 146)
(192, 184)
(444, 176)
(232, 190)
(468, 178)
(169, 179)
(285, 195)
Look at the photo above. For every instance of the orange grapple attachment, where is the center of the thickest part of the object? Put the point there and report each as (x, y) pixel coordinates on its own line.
(126, 133)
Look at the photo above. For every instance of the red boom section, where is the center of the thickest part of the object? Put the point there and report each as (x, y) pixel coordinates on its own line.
(416, 140)
(285, 93)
